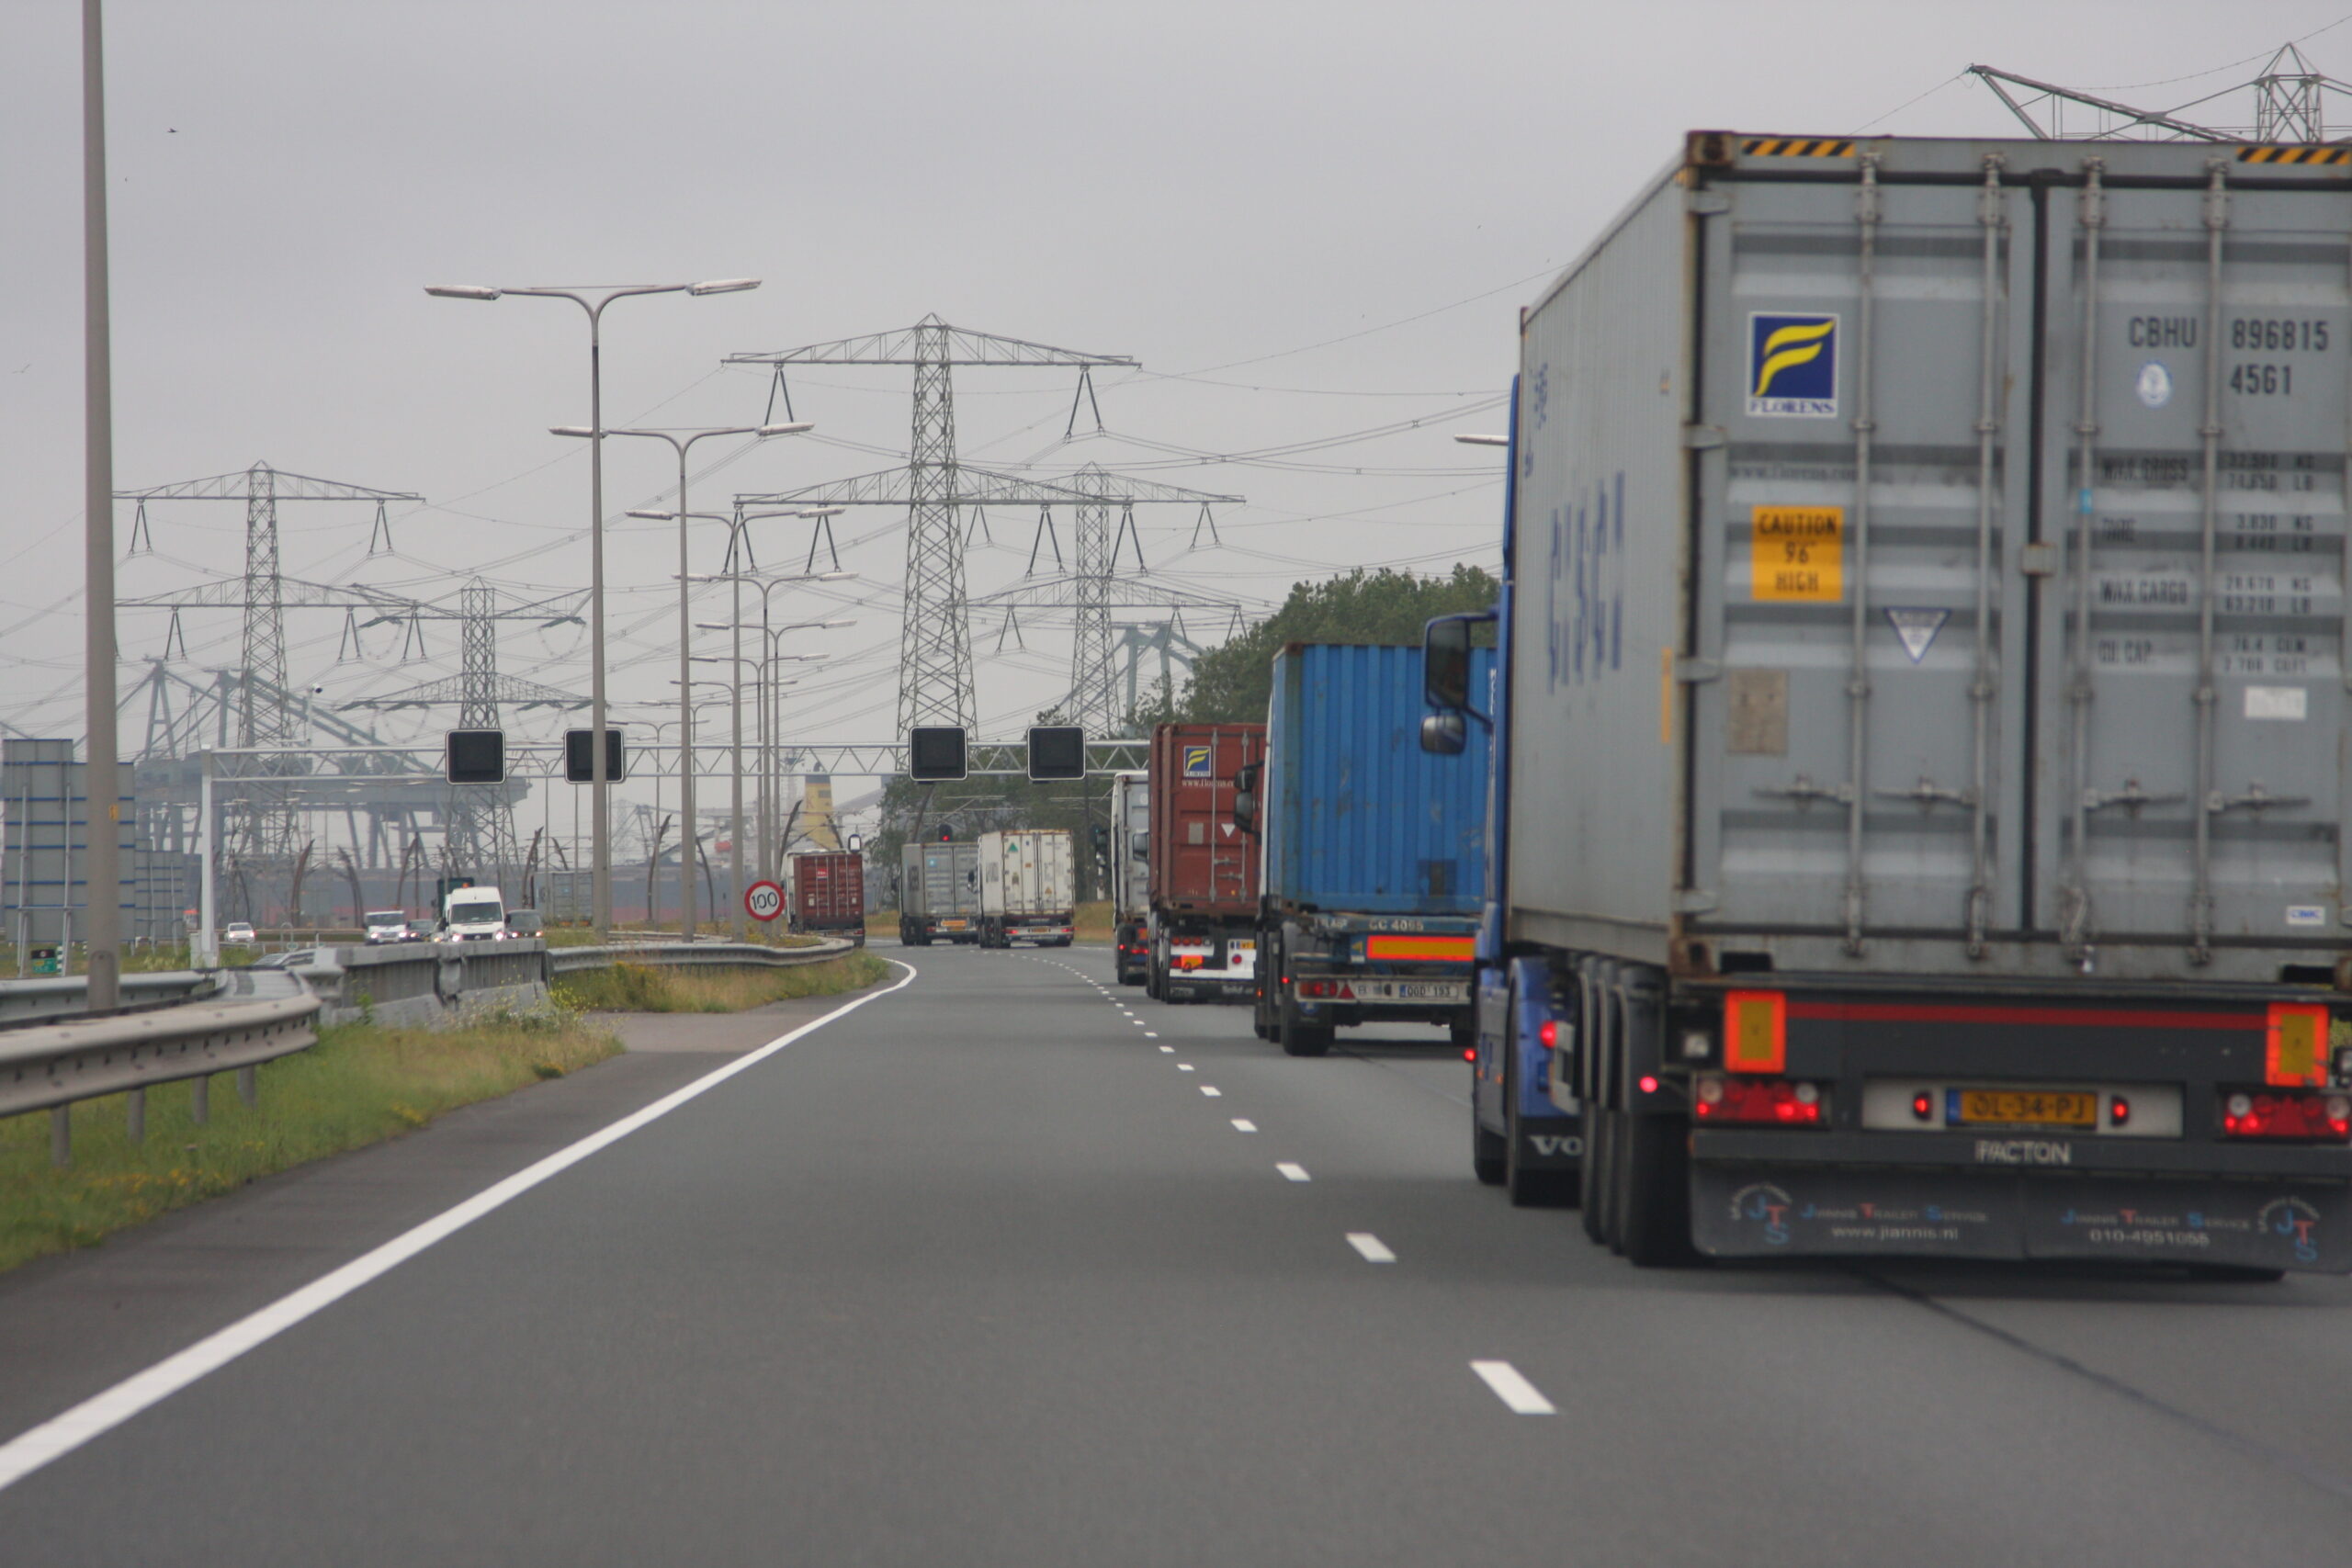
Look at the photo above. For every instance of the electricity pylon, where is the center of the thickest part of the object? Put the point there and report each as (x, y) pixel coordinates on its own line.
(935, 638)
(265, 829)
(2289, 106)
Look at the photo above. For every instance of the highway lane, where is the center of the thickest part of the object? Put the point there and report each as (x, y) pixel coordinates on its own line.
(980, 1273)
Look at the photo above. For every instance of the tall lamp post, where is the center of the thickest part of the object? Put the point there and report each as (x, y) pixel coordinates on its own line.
(767, 585)
(593, 302)
(680, 440)
(760, 682)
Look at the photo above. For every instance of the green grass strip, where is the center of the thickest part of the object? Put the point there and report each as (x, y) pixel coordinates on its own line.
(359, 1085)
(645, 987)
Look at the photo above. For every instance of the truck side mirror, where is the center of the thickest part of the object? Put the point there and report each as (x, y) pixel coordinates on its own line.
(1245, 797)
(1444, 734)
(1139, 845)
(1445, 664)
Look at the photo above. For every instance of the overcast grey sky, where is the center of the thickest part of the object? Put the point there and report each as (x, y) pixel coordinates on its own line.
(1305, 220)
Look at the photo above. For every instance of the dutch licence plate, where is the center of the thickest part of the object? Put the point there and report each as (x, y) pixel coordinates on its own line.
(1413, 991)
(2022, 1108)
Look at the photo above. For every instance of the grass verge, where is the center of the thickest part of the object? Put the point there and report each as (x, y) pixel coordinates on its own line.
(359, 1085)
(643, 987)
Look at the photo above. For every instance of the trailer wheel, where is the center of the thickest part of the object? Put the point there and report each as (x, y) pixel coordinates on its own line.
(1306, 1039)
(1654, 1224)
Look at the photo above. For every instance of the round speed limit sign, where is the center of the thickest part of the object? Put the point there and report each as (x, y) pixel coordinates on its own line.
(764, 900)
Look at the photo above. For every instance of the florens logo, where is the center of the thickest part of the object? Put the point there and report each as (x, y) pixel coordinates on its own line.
(1791, 367)
(1196, 761)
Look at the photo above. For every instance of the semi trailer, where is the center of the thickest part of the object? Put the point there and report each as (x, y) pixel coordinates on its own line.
(939, 893)
(1203, 869)
(1130, 858)
(1028, 887)
(1372, 863)
(1924, 705)
(825, 894)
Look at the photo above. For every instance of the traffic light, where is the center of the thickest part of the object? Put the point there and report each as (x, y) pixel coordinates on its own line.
(578, 761)
(935, 752)
(946, 834)
(476, 756)
(1056, 751)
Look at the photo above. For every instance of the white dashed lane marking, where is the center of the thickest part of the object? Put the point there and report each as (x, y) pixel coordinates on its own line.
(1293, 1172)
(1375, 1250)
(1211, 1090)
(1183, 1066)
(1243, 1124)
(1522, 1397)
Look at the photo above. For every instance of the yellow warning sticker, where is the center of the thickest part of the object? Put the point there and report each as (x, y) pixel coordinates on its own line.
(1799, 553)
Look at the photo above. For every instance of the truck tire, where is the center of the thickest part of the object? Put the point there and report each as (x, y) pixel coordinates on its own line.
(1306, 1039)
(1654, 1167)
(1600, 1143)
(1489, 1152)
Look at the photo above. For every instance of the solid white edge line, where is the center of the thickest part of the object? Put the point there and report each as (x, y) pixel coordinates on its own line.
(1375, 1250)
(101, 1413)
(1522, 1397)
(1293, 1172)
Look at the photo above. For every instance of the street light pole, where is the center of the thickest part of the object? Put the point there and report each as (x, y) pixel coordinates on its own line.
(600, 785)
(767, 760)
(103, 918)
(680, 441)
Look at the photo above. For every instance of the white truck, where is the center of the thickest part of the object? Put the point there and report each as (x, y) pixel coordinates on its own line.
(1028, 888)
(473, 914)
(1131, 877)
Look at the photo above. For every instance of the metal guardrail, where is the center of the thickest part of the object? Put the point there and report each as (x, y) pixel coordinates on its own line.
(696, 955)
(258, 1015)
(263, 1015)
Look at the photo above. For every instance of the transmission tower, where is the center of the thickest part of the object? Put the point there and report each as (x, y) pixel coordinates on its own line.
(481, 819)
(2289, 106)
(265, 831)
(1093, 588)
(935, 638)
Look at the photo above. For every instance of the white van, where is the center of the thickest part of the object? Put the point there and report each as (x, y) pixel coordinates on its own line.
(473, 914)
(386, 925)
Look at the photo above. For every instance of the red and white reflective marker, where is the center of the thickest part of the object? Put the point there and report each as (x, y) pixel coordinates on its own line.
(764, 900)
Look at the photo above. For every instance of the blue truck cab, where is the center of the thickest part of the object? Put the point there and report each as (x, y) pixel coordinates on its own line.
(1527, 1126)
(1371, 851)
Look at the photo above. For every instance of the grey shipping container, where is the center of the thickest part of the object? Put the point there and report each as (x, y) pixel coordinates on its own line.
(1923, 746)
(939, 893)
(1931, 558)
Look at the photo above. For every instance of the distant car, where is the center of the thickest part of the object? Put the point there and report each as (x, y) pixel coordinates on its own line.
(421, 930)
(524, 922)
(237, 934)
(386, 925)
(291, 960)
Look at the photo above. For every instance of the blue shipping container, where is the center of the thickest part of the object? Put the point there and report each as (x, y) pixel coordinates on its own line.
(1357, 818)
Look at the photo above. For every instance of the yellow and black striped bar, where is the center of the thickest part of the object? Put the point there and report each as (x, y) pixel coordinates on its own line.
(2306, 155)
(1796, 146)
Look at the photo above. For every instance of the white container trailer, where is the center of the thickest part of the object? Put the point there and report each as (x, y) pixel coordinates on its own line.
(1028, 888)
(1131, 877)
(1922, 732)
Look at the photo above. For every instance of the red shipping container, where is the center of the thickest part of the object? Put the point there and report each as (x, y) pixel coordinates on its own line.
(825, 891)
(1200, 863)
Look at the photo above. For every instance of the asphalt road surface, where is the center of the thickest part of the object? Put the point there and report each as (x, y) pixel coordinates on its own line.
(1012, 1266)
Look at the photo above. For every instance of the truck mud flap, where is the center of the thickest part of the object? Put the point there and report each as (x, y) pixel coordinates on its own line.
(1550, 1142)
(1765, 1211)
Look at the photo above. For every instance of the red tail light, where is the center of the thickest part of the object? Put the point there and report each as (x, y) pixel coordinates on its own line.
(1766, 1102)
(1338, 990)
(2304, 1115)
(1470, 1052)
(1549, 1034)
